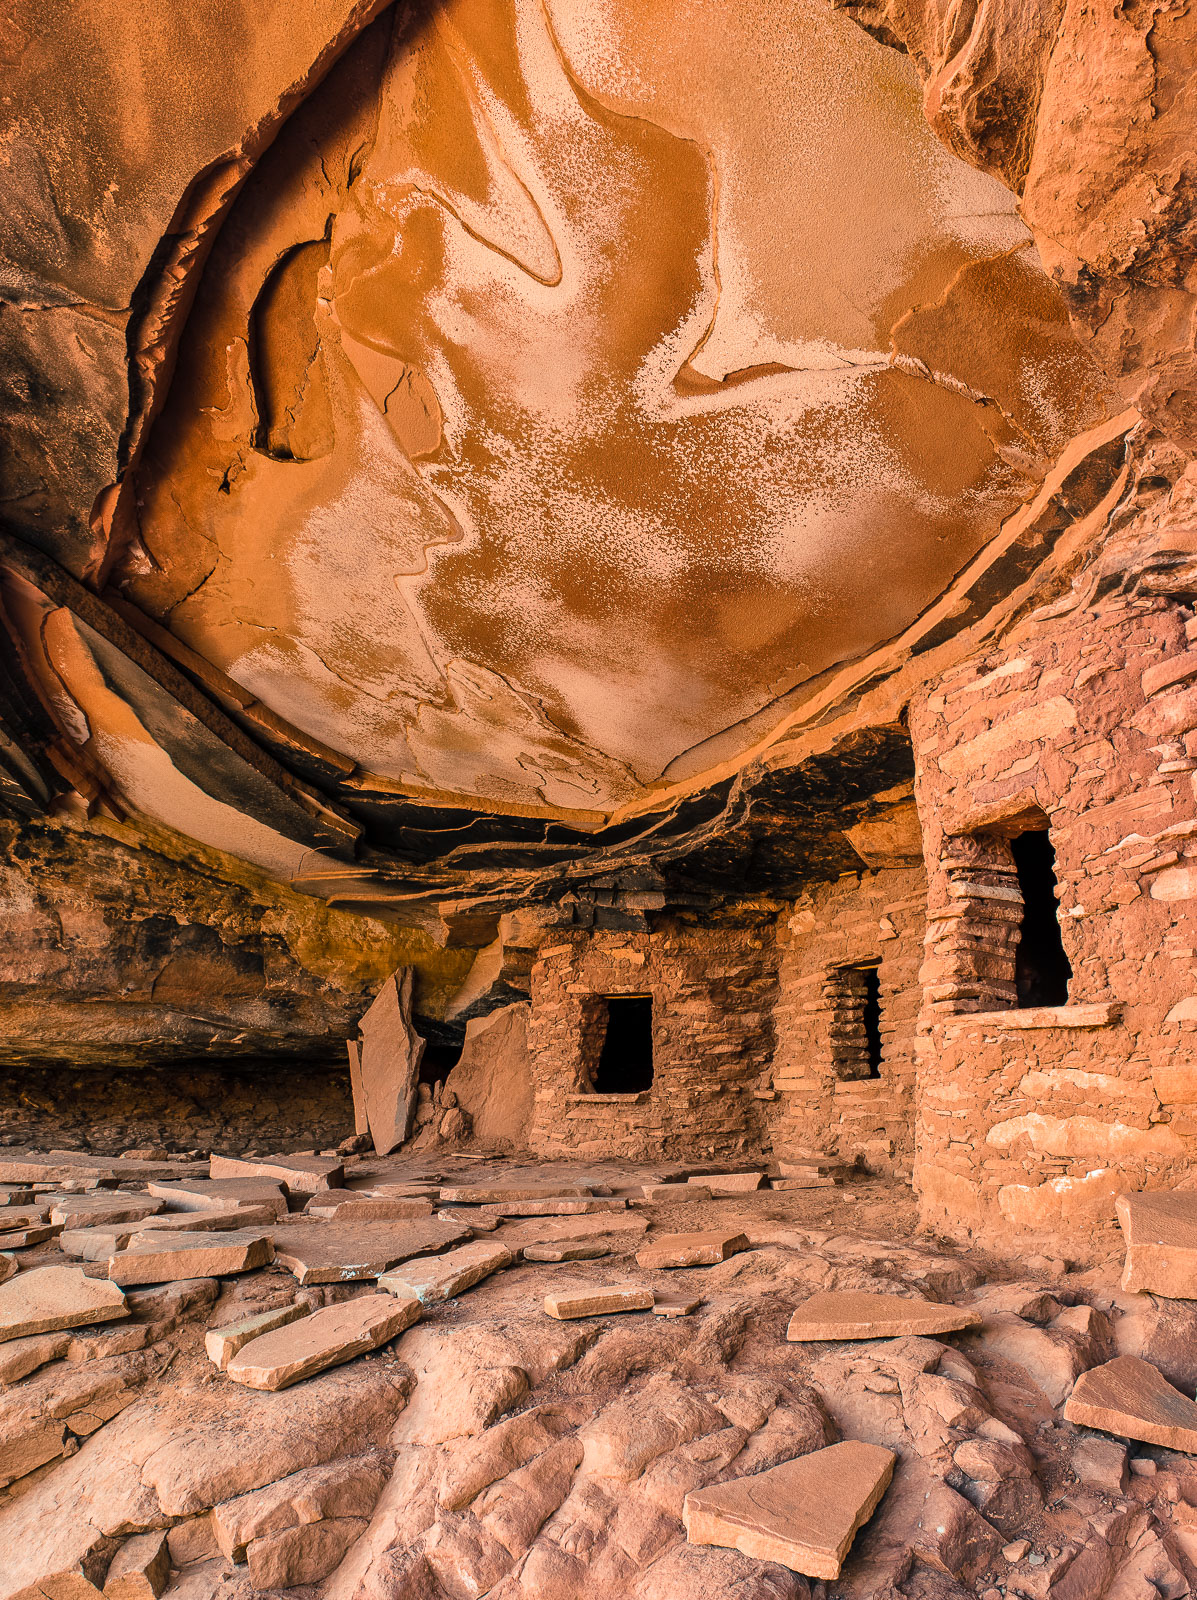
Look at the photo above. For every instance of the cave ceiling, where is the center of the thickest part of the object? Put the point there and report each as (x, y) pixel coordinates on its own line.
(474, 447)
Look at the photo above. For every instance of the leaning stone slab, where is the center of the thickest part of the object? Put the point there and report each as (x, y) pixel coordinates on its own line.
(332, 1252)
(341, 1205)
(690, 1249)
(49, 1298)
(8, 1267)
(484, 1194)
(433, 1278)
(1130, 1398)
(388, 1064)
(167, 1257)
(299, 1174)
(326, 1338)
(222, 1344)
(570, 1303)
(856, 1314)
(1160, 1227)
(221, 1194)
(554, 1206)
(803, 1514)
(82, 1210)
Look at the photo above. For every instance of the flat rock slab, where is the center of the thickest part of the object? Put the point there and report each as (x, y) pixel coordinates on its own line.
(547, 1230)
(221, 1194)
(167, 1257)
(20, 1357)
(690, 1249)
(1160, 1227)
(803, 1514)
(856, 1314)
(1129, 1397)
(22, 1238)
(565, 1251)
(61, 1166)
(476, 1220)
(49, 1298)
(16, 1197)
(729, 1182)
(676, 1305)
(222, 1344)
(297, 1174)
(567, 1304)
(8, 1267)
(343, 1206)
(82, 1210)
(429, 1279)
(660, 1194)
(334, 1252)
(326, 1338)
(482, 1194)
(243, 1217)
(555, 1206)
(96, 1244)
(813, 1180)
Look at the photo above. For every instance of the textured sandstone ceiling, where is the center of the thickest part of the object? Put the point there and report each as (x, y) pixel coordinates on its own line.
(472, 413)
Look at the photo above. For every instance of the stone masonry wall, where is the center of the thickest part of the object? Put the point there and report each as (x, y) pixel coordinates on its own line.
(712, 991)
(820, 1104)
(1085, 723)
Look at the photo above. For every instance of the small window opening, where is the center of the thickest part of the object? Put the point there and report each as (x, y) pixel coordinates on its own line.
(872, 1019)
(625, 1064)
(1041, 968)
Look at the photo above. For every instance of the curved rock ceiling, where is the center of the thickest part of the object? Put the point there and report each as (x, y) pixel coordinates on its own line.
(571, 382)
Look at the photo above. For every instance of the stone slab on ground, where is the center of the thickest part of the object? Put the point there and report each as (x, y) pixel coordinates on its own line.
(813, 1180)
(140, 1569)
(344, 1206)
(332, 1252)
(554, 1206)
(666, 1193)
(8, 1266)
(858, 1314)
(24, 1217)
(1160, 1227)
(243, 1217)
(803, 1514)
(167, 1257)
(601, 1301)
(16, 1197)
(433, 1278)
(222, 1344)
(326, 1338)
(675, 1305)
(1131, 1398)
(728, 1182)
(20, 1357)
(482, 1194)
(298, 1174)
(61, 1166)
(84, 1210)
(48, 1298)
(566, 1251)
(96, 1244)
(705, 1249)
(547, 1230)
(22, 1238)
(221, 1194)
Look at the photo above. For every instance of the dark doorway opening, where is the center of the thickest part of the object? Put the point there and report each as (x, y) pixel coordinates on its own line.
(625, 1064)
(871, 1019)
(1041, 969)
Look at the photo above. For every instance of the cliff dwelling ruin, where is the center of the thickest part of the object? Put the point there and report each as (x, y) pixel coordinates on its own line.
(598, 788)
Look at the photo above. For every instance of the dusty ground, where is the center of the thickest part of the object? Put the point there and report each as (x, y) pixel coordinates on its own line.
(491, 1451)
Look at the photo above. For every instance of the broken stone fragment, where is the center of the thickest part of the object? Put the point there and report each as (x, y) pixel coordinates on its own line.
(84, 1210)
(1101, 1463)
(222, 1344)
(221, 1194)
(16, 1197)
(8, 1267)
(433, 1278)
(690, 1249)
(140, 1568)
(332, 1252)
(344, 1206)
(20, 1357)
(676, 1305)
(553, 1206)
(340, 1489)
(49, 1298)
(96, 1244)
(803, 1514)
(577, 1250)
(167, 1257)
(23, 1238)
(728, 1182)
(326, 1338)
(1160, 1228)
(1129, 1397)
(599, 1302)
(298, 1174)
(857, 1314)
